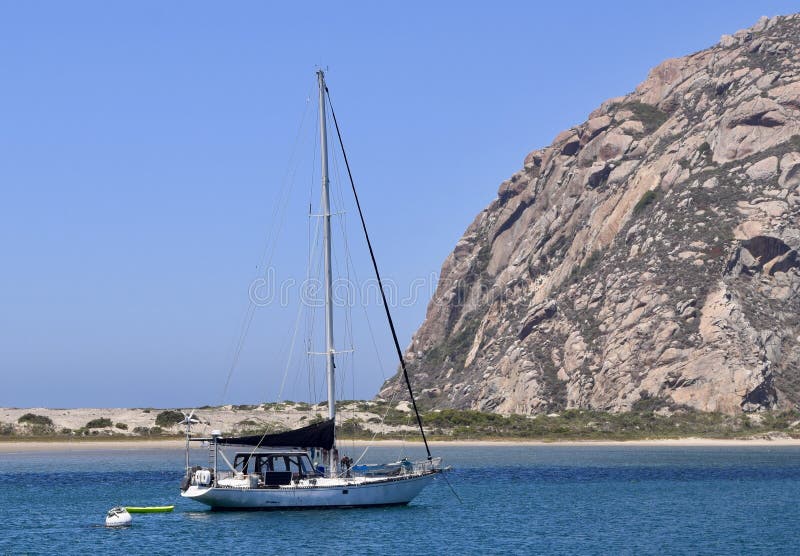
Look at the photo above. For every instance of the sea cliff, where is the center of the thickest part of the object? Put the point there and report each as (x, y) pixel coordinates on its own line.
(647, 258)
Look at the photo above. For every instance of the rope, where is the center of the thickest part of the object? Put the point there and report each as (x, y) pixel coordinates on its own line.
(446, 480)
(380, 282)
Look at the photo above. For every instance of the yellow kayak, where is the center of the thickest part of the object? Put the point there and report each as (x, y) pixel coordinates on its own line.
(149, 509)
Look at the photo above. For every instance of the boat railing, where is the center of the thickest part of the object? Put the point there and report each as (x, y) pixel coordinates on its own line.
(427, 466)
(402, 467)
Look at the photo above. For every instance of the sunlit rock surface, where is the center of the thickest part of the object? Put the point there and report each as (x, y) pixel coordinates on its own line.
(647, 256)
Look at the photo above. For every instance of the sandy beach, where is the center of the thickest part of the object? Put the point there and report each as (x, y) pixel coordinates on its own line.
(16, 446)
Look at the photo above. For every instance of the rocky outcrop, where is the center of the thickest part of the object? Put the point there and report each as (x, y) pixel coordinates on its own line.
(650, 253)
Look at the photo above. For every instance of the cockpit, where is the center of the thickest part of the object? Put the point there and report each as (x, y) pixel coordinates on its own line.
(274, 467)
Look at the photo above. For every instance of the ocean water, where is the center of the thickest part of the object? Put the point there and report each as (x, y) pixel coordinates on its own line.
(514, 500)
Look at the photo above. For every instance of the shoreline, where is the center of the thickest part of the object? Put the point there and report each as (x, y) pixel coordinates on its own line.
(22, 446)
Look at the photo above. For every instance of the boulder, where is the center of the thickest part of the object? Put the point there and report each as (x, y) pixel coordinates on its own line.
(594, 127)
(763, 169)
(790, 170)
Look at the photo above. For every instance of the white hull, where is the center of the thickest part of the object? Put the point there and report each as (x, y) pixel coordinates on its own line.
(326, 493)
(289, 477)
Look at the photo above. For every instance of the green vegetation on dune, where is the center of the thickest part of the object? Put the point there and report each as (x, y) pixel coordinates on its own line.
(32, 419)
(168, 418)
(101, 423)
(595, 425)
(357, 419)
(38, 425)
(645, 422)
(574, 424)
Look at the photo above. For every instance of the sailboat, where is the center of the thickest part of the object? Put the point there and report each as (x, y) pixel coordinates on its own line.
(281, 471)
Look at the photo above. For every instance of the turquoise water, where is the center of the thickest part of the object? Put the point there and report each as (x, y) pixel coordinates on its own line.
(516, 500)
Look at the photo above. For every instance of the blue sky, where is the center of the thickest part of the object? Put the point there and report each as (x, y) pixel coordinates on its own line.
(143, 147)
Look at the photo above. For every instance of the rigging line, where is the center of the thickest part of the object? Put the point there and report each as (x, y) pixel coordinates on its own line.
(389, 404)
(245, 327)
(311, 313)
(337, 197)
(288, 180)
(271, 239)
(380, 283)
(339, 206)
(273, 234)
(344, 363)
(292, 344)
(348, 313)
(352, 268)
(317, 268)
(279, 211)
(364, 453)
(285, 372)
(348, 325)
(289, 356)
(446, 480)
(251, 308)
(353, 385)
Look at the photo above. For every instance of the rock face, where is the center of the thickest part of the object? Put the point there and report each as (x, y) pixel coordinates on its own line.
(648, 256)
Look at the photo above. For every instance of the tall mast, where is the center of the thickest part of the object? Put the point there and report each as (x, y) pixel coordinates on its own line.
(326, 228)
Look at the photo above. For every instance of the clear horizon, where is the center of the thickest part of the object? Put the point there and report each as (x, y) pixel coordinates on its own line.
(145, 147)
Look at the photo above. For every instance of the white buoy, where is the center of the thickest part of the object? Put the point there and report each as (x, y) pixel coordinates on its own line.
(118, 517)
